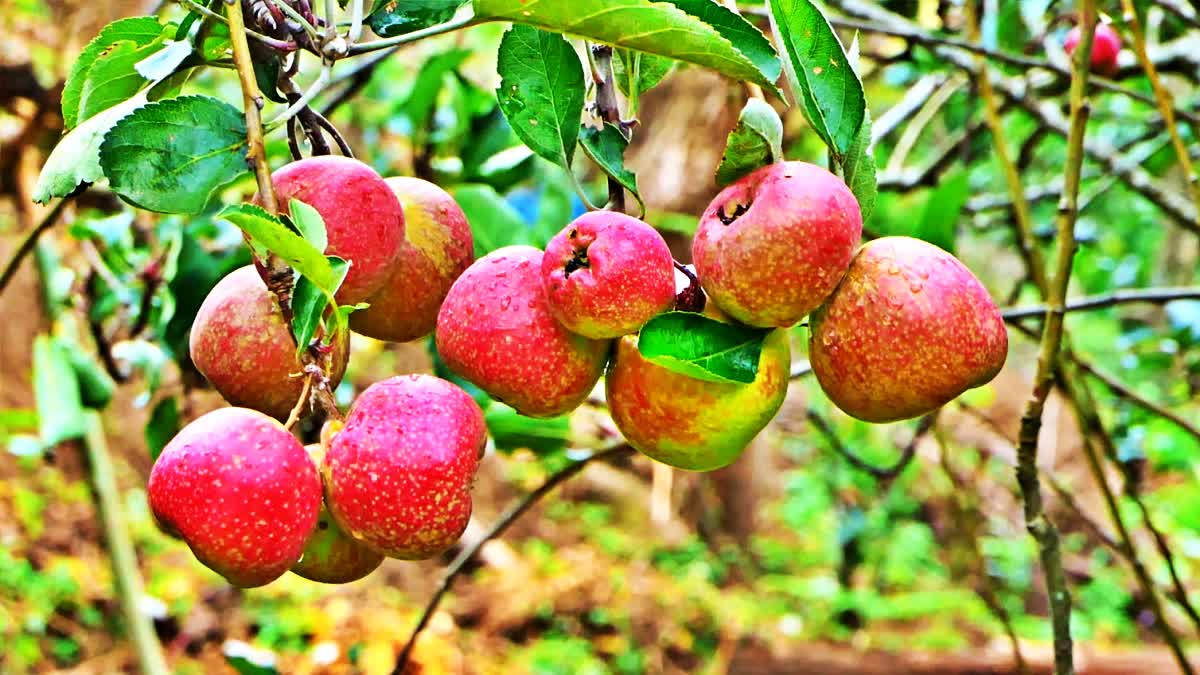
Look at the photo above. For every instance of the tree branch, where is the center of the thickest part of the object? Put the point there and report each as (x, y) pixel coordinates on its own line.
(1154, 296)
(882, 473)
(30, 242)
(510, 515)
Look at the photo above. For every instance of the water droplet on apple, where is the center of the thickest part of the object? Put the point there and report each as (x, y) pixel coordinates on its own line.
(504, 303)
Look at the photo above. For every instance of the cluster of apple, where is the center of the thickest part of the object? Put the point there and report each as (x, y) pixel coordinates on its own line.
(394, 479)
(898, 327)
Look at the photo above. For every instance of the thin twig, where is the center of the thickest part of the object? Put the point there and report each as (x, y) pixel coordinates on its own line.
(1123, 390)
(1094, 431)
(1165, 105)
(127, 578)
(510, 515)
(30, 242)
(465, 21)
(882, 473)
(1154, 296)
(282, 45)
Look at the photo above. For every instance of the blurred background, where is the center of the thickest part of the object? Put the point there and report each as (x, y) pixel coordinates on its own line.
(793, 560)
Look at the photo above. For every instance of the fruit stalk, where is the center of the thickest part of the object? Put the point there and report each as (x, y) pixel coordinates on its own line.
(126, 576)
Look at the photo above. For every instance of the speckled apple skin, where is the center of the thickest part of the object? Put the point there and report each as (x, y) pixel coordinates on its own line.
(909, 329)
(1106, 45)
(688, 423)
(495, 329)
(330, 555)
(629, 278)
(241, 491)
(784, 255)
(398, 476)
(437, 248)
(244, 348)
(363, 219)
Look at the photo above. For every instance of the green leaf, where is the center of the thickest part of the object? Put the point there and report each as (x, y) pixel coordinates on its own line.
(96, 387)
(741, 33)
(266, 74)
(858, 170)
(389, 18)
(423, 96)
(829, 90)
(171, 156)
(247, 659)
(756, 141)
(541, 91)
(494, 222)
(310, 223)
(641, 25)
(309, 303)
(76, 158)
(606, 147)
(510, 430)
(942, 211)
(56, 390)
(651, 70)
(120, 36)
(272, 234)
(163, 425)
(694, 345)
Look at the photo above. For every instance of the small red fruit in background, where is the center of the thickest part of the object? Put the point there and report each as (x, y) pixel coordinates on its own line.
(1106, 45)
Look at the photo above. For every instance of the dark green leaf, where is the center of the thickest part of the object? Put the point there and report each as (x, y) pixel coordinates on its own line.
(756, 141)
(76, 158)
(541, 91)
(95, 385)
(651, 70)
(694, 345)
(942, 211)
(273, 235)
(389, 18)
(510, 430)
(162, 426)
(266, 73)
(171, 156)
(641, 25)
(421, 99)
(56, 389)
(494, 222)
(828, 88)
(741, 33)
(606, 147)
(127, 34)
(310, 224)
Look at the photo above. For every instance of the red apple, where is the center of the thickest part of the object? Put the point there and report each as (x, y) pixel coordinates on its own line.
(607, 274)
(773, 245)
(437, 248)
(496, 330)
(363, 219)
(244, 348)
(241, 491)
(1106, 45)
(909, 329)
(398, 474)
